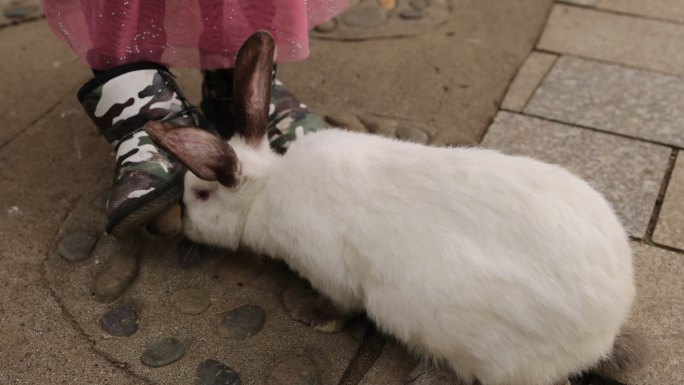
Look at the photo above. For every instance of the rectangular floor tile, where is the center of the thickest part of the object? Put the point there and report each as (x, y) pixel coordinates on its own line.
(613, 98)
(633, 41)
(659, 313)
(527, 80)
(628, 172)
(661, 9)
(670, 228)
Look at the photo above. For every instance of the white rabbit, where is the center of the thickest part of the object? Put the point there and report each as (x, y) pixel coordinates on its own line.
(504, 269)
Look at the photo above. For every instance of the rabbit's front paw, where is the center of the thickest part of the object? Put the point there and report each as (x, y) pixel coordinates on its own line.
(303, 304)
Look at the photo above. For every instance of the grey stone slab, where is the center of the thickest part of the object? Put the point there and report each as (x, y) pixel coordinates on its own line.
(670, 227)
(659, 314)
(37, 72)
(527, 80)
(613, 98)
(633, 41)
(628, 172)
(391, 367)
(662, 9)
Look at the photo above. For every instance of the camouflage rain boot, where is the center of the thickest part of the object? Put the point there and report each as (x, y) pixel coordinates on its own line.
(120, 102)
(288, 117)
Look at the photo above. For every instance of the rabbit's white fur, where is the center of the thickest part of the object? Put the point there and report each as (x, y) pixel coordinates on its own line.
(504, 268)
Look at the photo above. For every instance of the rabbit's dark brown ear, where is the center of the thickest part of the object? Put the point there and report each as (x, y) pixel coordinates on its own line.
(252, 86)
(205, 154)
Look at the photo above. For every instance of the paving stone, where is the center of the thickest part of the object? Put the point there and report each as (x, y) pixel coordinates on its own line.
(212, 372)
(412, 134)
(670, 227)
(411, 14)
(391, 367)
(365, 16)
(77, 246)
(419, 4)
(121, 321)
(628, 40)
(380, 126)
(613, 98)
(628, 172)
(168, 223)
(527, 80)
(580, 2)
(387, 4)
(345, 120)
(662, 9)
(326, 26)
(659, 313)
(299, 369)
(190, 300)
(116, 275)
(163, 352)
(242, 322)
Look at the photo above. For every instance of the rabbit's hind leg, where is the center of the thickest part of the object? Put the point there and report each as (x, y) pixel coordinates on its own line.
(426, 373)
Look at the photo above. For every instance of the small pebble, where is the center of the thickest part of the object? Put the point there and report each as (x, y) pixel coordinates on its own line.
(212, 372)
(387, 4)
(162, 353)
(419, 4)
(364, 16)
(190, 301)
(380, 126)
(116, 275)
(411, 14)
(121, 321)
(242, 322)
(412, 134)
(77, 246)
(297, 369)
(19, 12)
(326, 26)
(346, 120)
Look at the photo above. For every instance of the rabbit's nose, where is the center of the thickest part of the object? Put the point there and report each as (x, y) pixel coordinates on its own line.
(169, 223)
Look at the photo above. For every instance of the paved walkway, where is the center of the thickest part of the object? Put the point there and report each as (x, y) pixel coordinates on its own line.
(601, 93)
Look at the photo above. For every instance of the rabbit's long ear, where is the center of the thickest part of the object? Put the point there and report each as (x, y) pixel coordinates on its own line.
(252, 86)
(205, 154)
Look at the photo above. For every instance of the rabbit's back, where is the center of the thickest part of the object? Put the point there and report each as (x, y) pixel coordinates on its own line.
(510, 270)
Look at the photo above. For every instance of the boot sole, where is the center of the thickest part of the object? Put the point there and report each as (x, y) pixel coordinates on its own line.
(149, 209)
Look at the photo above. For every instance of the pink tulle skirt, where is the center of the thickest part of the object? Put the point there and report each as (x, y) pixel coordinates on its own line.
(183, 33)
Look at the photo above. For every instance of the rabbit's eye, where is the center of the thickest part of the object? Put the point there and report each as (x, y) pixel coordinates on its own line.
(202, 194)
